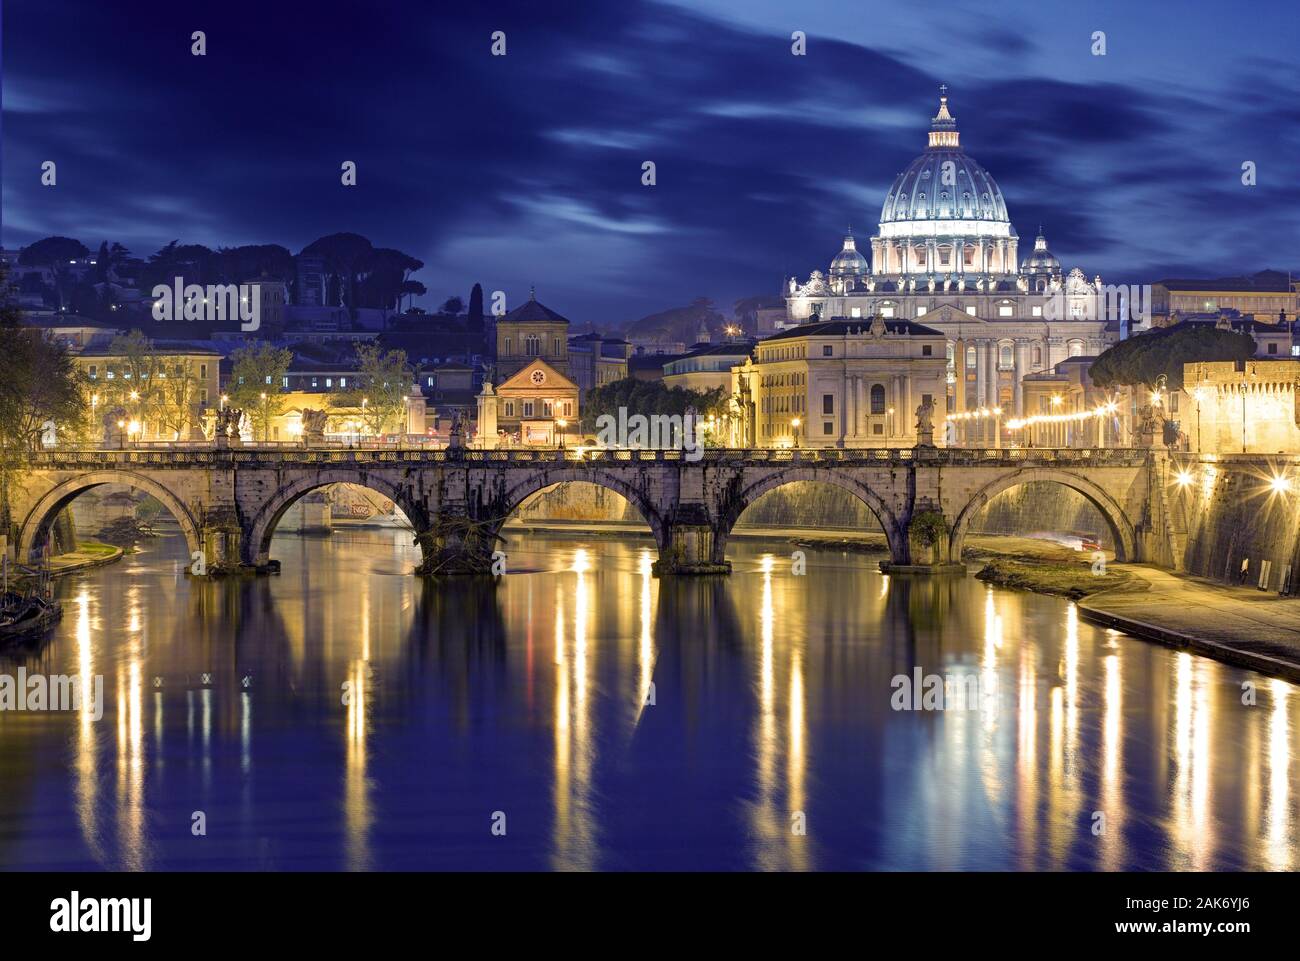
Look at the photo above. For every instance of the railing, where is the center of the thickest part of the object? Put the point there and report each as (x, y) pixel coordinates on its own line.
(183, 456)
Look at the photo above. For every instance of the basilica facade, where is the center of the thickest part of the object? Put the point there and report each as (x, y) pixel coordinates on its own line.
(947, 258)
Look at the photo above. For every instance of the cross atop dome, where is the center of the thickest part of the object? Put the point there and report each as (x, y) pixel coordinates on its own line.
(943, 128)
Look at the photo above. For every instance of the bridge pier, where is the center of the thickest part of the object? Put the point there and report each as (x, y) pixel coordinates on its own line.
(456, 545)
(223, 542)
(690, 545)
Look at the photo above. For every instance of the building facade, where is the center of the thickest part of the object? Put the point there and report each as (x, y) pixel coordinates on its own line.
(839, 384)
(531, 332)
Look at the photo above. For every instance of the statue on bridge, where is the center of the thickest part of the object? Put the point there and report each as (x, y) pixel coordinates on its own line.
(925, 424)
(227, 427)
(313, 427)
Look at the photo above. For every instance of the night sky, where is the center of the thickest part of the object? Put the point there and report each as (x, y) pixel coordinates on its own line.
(526, 169)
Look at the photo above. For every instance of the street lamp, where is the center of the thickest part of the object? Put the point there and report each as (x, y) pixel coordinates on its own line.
(562, 424)
(794, 426)
(121, 434)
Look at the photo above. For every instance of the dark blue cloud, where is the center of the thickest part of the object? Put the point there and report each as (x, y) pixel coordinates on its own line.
(526, 169)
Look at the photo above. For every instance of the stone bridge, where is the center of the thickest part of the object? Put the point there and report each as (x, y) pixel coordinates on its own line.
(228, 502)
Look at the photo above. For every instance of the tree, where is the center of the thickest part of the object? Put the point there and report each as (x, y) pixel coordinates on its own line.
(131, 380)
(1144, 358)
(452, 307)
(344, 254)
(55, 253)
(649, 397)
(386, 278)
(381, 389)
(475, 321)
(256, 383)
(39, 384)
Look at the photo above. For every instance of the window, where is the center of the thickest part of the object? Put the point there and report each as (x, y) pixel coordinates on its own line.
(203, 371)
(1038, 356)
(284, 382)
(568, 408)
(1005, 360)
(887, 311)
(343, 382)
(1005, 310)
(1037, 310)
(971, 310)
(507, 350)
(828, 427)
(828, 403)
(877, 428)
(510, 408)
(828, 350)
(970, 357)
(329, 381)
(920, 311)
(855, 311)
(203, 396)
(428, 382)
(927, 350)
(546, 408)
(94, 371)
(1272, 348)
(877, 399)
(1075, 348)
(528, 408)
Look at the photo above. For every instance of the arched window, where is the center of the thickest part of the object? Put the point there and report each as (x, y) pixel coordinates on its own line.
(970, 357)
(1005, 360)
(1075, 348)
(877, 398)
(1038, 356)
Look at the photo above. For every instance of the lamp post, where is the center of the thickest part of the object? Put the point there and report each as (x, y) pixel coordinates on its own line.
(563, 425)
(266, 426)
(121, 434)
(794, 426)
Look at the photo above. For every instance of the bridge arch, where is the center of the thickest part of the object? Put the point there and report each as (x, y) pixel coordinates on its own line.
(36, 525)
(257, 545)
(515, 495)
(894, 534)
(1120, 526)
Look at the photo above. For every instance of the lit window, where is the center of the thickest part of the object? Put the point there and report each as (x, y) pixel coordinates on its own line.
(920, 311)
(1037, 310)
(1005, 310)
(971, 310)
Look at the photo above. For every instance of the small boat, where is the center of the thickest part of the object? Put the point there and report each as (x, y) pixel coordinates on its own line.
(31, 613)
(28, 617)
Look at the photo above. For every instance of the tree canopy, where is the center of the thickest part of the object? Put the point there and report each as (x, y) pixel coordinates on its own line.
(1144, 358)
(648, 397)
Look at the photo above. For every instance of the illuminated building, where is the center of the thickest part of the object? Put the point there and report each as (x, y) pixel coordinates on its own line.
(839, 384)
(945, 256)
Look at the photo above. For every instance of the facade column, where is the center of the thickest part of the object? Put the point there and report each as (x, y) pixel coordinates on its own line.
(905, 408)
(861, 427)
(981, 373)
(959, 251)
(959, 376)
(993, 376)
(1018, 390)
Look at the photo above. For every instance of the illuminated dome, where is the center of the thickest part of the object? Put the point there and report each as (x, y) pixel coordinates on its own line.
(944, 215)
(1042, 260)
(848, 262)
(921, 192)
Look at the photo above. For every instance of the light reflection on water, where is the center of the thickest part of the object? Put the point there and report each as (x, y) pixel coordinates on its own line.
(347, 716)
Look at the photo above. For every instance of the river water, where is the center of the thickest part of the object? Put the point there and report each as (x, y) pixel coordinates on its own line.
(345, 715)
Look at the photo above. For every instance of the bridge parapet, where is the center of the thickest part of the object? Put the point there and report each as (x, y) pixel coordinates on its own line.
(189, 457)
